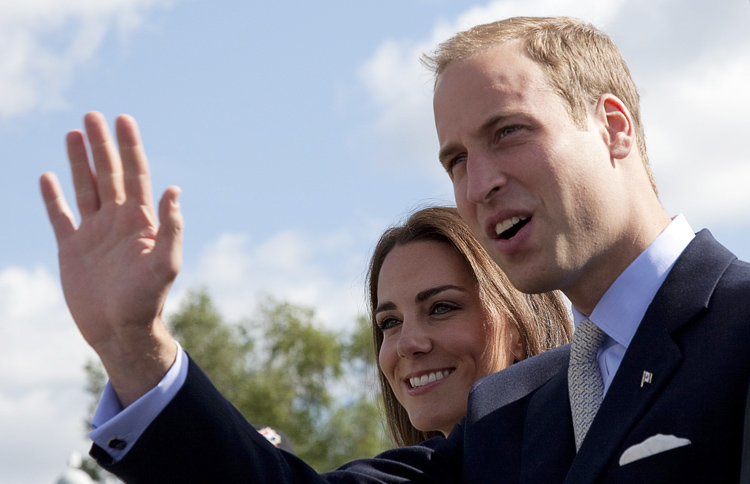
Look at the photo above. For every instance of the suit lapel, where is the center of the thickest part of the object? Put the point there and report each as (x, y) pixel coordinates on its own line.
(684, 294)
(548, 447)
(626, 400)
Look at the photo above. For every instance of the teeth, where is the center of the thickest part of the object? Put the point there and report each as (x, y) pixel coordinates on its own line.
(507, 223)
(428, 378)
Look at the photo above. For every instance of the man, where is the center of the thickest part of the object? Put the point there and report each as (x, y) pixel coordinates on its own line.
(540, 133)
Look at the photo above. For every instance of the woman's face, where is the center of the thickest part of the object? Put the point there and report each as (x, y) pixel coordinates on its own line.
(436, 333)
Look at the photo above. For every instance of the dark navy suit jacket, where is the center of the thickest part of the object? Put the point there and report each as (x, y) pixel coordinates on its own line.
(694, 339)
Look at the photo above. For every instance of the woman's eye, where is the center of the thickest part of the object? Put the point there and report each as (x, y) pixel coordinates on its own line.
(443, 308)
(388, 323)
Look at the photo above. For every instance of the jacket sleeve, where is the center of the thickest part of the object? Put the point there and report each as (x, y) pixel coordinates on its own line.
(201, 437)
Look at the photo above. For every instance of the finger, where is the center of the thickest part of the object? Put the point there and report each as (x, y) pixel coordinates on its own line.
(58, 211)
(168, 247)
(106, 159)
(137, 180)
(87, 196)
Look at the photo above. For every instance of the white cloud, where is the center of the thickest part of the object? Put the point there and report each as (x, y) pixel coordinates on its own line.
(401, 88)
(695, 110)
(599, 13)
(697, 136)
(38, 339)
(42, 397)
(290, 266)
(43, 41)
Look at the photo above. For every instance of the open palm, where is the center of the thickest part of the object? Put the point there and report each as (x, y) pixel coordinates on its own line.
(119, 264)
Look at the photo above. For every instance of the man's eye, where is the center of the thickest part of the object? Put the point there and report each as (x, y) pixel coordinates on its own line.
(506, 130)
(453, 162)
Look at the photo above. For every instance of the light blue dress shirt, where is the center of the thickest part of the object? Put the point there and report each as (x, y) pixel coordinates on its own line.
(620, 310)
(618, 314)
(121, 427)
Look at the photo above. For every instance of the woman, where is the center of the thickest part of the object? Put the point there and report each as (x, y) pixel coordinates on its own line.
(443, 316)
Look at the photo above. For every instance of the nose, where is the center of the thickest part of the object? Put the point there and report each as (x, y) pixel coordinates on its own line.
(484, 177)
(413, 340)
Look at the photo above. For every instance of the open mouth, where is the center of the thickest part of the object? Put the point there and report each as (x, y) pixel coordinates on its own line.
(508, 228)
(418, 381)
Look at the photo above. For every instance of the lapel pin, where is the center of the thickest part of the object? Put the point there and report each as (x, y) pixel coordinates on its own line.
(646, 378)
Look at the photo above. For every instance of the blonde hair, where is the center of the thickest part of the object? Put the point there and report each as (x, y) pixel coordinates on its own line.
(541, 319)
(580, 62)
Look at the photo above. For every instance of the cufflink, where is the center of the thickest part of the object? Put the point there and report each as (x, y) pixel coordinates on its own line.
(117, 444)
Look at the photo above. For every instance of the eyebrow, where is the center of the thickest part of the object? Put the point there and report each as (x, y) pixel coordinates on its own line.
(447, 151)
(420, 297)
(428, 293)
(386, 306)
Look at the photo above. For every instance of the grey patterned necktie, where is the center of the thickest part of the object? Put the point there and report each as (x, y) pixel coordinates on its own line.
(585, 384)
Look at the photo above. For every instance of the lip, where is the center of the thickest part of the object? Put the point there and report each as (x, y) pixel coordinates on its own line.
(514, 244)
(427, 386)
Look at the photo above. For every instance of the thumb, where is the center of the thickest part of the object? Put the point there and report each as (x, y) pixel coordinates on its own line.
(168, 249)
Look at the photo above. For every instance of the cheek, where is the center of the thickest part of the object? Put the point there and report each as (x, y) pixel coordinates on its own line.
(459, 193)
(467, 211)
(387, 359)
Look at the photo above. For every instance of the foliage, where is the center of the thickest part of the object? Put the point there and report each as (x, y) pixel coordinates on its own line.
(90, 467)
(96, 378)
(282, 369)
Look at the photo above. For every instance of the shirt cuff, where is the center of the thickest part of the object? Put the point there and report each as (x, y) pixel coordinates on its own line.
(116, 429)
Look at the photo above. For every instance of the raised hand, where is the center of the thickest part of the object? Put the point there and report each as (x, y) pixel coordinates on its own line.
(117, 267)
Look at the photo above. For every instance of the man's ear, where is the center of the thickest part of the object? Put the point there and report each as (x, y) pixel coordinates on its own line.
(619, 132)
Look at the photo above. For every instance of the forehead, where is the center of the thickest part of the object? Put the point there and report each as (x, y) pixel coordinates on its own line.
(418, 265)
(501, 78)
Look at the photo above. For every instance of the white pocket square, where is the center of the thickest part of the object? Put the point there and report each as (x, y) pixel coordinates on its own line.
(650, 446)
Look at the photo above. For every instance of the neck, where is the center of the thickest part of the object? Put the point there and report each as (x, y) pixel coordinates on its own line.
(595, 278)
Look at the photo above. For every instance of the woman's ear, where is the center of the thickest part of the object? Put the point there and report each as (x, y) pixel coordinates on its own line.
(619, 132)
(516, 344)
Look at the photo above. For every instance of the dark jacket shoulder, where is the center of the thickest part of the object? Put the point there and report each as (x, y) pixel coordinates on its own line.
(515, 382)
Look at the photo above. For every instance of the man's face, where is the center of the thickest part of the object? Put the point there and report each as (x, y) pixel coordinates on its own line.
(533, 187)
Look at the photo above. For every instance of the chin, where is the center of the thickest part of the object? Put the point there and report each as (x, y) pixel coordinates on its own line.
(435, 425)
(533, 281)
(531, 285)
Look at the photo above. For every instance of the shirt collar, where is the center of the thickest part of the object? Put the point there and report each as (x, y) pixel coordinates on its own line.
(620, 310)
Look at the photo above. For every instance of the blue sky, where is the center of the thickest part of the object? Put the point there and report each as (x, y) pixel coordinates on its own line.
(298, 131)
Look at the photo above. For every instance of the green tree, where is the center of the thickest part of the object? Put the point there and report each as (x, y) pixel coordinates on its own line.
(355, 427)
(280, 368)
